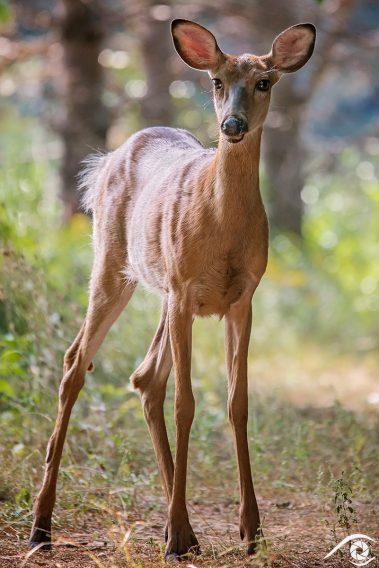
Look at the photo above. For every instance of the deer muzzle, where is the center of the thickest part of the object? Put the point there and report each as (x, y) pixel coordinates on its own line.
(234, 128)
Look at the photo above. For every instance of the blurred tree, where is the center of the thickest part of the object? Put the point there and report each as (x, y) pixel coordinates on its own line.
(156, 50)
(285, 150)
(86, 118)
(83, 25)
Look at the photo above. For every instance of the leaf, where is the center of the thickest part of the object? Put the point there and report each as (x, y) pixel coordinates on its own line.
(6, 388)
(23, 498)
(10, 356)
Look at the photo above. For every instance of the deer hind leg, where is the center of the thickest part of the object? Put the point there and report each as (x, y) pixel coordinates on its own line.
(150, 379)
(108, 297)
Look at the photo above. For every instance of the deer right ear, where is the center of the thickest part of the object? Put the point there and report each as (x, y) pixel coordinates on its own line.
(196, 45)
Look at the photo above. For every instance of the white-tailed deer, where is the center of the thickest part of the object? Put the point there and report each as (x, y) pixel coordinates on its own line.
(189, 223)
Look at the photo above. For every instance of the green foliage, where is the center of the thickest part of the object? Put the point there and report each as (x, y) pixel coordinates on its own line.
(24, 499)
(327, 286)
(5, 13)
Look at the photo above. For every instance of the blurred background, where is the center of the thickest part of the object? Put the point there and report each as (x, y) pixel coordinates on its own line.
(79, 76)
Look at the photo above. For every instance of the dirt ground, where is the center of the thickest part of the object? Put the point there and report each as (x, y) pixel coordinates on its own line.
(298, 536)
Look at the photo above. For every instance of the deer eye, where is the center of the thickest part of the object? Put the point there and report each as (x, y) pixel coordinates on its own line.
(263, 85)
(217, 84)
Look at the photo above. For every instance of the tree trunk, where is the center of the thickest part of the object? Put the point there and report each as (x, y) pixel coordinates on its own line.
(285, 156)
(86, 119)
(156, 52)
(284, 151)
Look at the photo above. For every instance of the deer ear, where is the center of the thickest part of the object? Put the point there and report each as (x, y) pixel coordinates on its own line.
(293, 47)
(196, 45)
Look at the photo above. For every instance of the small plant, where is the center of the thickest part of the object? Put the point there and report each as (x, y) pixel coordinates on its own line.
(344, 510)
(343, 498)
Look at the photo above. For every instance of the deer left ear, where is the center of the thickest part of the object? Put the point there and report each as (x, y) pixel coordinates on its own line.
(292, 48)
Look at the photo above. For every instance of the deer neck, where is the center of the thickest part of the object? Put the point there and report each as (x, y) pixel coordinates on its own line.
(236, 178)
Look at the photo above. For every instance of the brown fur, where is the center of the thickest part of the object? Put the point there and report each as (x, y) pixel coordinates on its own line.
(188, 223)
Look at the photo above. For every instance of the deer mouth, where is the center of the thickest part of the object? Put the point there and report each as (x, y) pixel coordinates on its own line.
(235, 139)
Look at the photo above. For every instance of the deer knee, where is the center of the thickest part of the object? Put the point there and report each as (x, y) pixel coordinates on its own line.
(185, 410)
(237, 416)
(71, 385)
(69, 359)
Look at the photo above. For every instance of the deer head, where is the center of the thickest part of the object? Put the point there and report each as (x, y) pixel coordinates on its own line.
(242, 83)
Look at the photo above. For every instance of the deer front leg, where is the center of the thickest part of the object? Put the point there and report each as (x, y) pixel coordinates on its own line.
(237, 335)
(180, 536)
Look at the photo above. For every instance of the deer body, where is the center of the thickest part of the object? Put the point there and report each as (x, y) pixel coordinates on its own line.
(194, 220)
(190, 224)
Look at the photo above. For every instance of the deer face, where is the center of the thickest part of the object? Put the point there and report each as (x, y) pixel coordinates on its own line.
(242, 84)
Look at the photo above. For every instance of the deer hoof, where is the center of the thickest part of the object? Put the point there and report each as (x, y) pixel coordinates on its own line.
(253, 535)
(251, 548)
(181, 544)
(41, 534)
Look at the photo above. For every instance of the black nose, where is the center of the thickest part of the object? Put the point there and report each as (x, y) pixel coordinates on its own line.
(234, 126)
